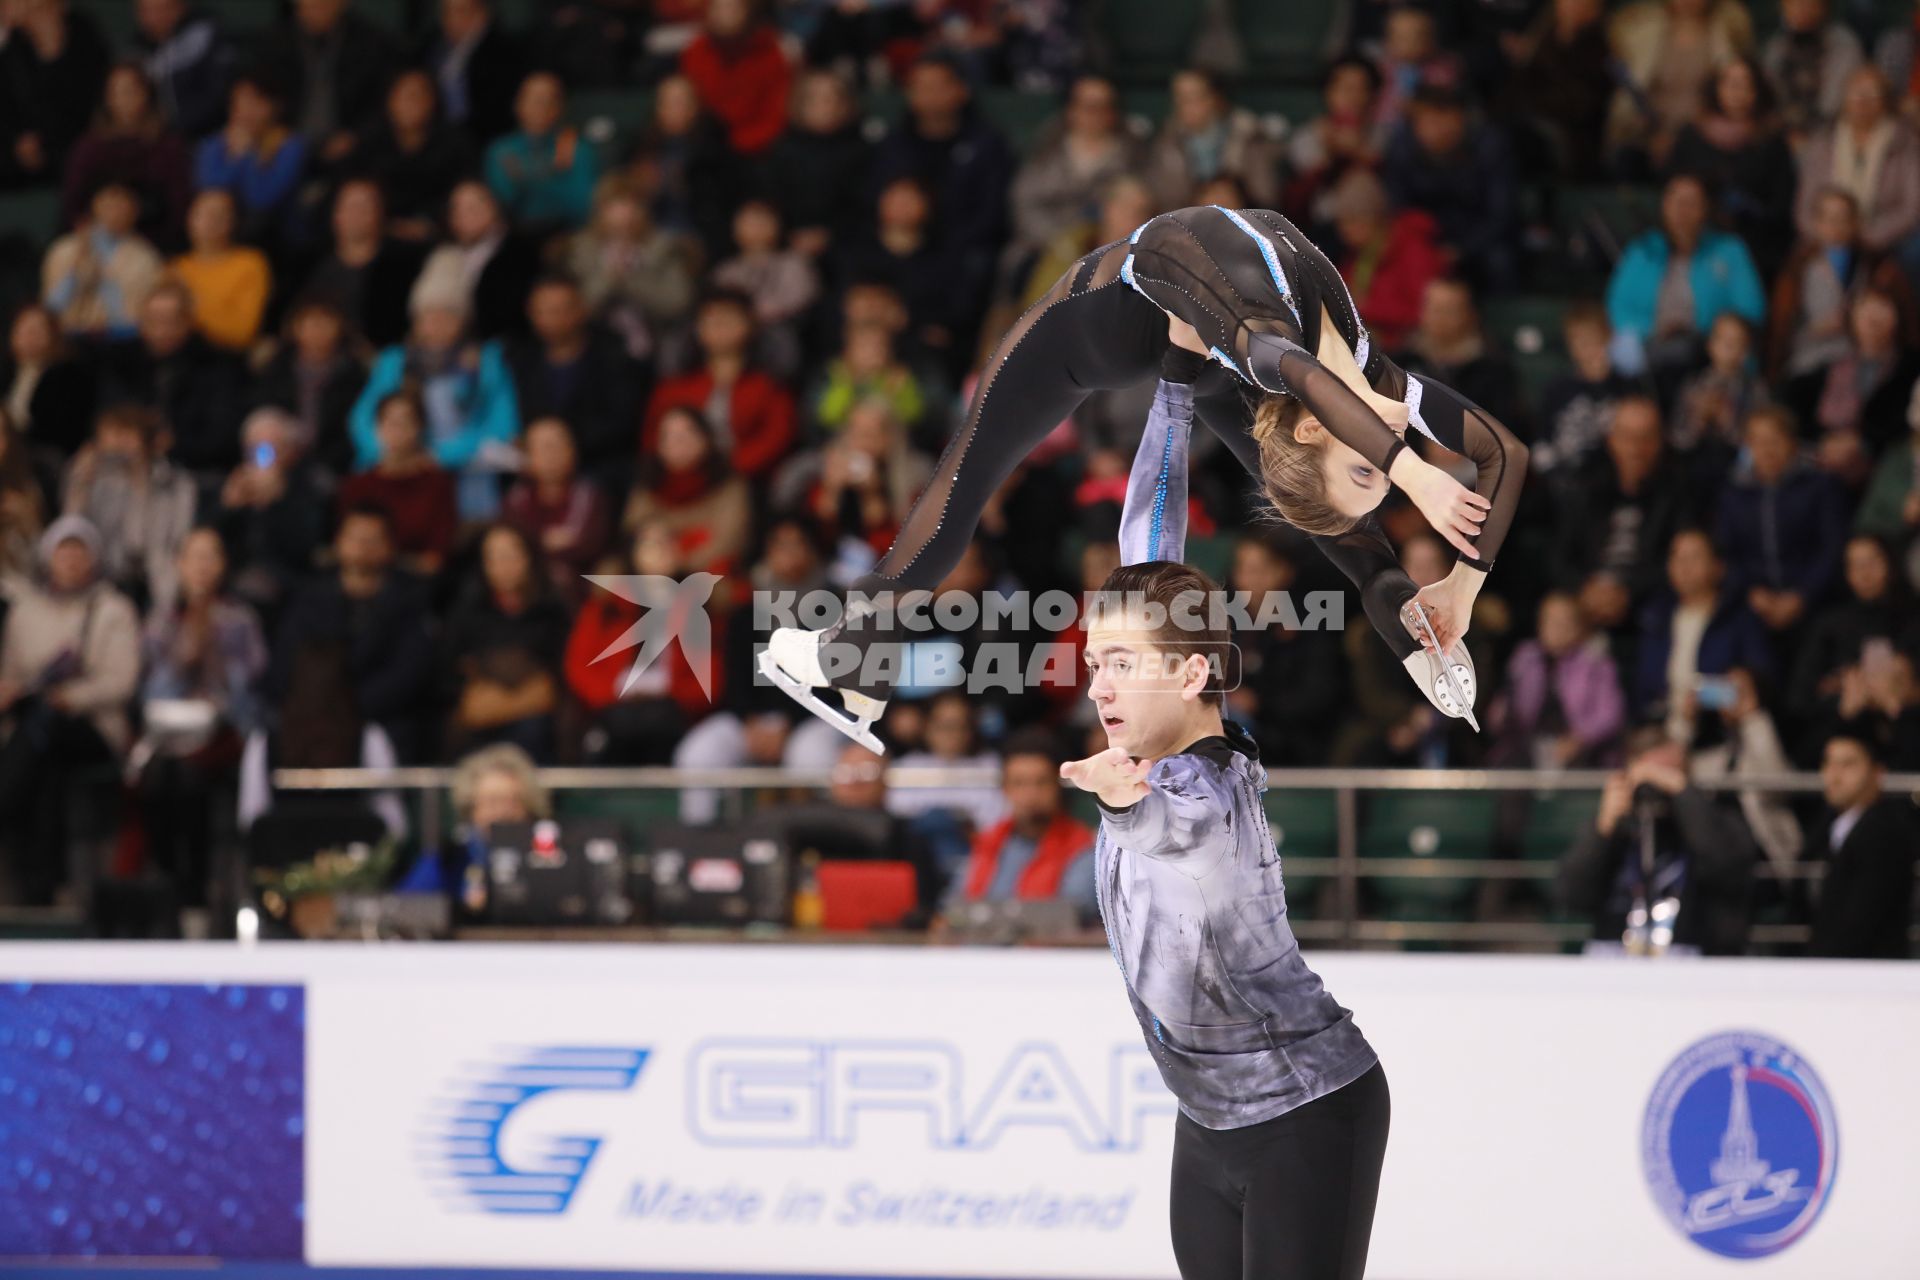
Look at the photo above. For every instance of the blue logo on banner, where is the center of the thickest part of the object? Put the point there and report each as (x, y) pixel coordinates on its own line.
(152, 1120)
(465, 1144)
(1739, 1145)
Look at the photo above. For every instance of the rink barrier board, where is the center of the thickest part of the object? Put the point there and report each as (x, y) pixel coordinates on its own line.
(887, 1112)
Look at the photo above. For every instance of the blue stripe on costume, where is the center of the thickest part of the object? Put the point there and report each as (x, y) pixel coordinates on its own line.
(1160, 499)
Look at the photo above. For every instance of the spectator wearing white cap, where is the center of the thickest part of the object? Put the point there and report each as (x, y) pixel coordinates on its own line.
(472, 412)
(69, 667)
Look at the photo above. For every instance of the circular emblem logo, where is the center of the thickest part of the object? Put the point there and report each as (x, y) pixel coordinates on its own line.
(1739, 1144)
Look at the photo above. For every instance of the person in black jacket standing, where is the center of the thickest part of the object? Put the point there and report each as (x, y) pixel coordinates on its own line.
(1864, 909)
(1662, 867)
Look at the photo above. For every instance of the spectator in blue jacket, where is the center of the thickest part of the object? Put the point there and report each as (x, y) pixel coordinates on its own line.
(1698, 627)
(256, 157)
(544, 172)
(1783, 524)
(1461, 172)
(473, 416)
(1675, 280)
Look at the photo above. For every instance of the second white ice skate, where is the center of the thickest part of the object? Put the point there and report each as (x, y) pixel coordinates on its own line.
(791, 661)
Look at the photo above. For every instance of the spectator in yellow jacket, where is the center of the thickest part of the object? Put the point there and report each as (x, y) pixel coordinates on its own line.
(229, 282)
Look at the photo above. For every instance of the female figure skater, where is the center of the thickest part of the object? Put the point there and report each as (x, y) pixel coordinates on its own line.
(1250, 291)
(1283, 1104)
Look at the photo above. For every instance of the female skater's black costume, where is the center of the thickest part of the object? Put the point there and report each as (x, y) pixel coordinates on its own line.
(1253, 287)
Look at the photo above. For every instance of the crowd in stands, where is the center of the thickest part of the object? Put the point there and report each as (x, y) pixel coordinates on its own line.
(362, 343)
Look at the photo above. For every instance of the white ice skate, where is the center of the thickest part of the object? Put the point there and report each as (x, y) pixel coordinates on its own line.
(792, 661)
(1450, 685)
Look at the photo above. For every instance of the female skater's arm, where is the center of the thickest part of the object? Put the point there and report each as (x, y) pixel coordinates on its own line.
(1456, 423)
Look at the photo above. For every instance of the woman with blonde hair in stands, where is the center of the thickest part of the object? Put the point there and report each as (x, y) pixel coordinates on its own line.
(494, 785)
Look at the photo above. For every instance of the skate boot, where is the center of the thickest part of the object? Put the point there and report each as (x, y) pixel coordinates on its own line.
(792, 662)
(1450, 685)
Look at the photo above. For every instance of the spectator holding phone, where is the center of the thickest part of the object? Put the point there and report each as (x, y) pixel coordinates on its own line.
(1661, 869)
(1734, 737)
(1697, 627)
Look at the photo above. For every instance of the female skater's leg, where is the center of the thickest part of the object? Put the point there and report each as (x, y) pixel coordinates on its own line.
(1091, 331)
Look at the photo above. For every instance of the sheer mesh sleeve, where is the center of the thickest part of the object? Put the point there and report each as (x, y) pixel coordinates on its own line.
(1365, 555)
(1454, 422)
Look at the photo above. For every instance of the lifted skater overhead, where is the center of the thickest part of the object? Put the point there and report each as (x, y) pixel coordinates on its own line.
(1301, 397)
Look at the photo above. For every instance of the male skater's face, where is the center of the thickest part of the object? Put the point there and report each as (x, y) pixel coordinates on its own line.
(1148, 697)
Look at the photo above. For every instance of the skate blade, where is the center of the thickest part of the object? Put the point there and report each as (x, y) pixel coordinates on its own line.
(860, 730)
(1416, 612)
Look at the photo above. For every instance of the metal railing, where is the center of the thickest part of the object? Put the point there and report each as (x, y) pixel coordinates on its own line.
(1347, 867)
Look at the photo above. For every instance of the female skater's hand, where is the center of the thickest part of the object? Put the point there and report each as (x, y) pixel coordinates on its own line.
(1455, 511)
(1449, 604)
(1113, 775)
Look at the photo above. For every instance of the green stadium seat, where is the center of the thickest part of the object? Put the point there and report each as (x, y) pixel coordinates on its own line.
(1555, 819)
(1305, 824)
(34, 215)
(1213, 555)
(639, 808)
(1018, 114)
(113, 19)
(1613, 213)
(1149, 104)
(241, 17)
(1149, 40)
(1296, 104)
(391, 14)
(628, 110)
(1527, 328)
(1436, 825)
(1286, 40)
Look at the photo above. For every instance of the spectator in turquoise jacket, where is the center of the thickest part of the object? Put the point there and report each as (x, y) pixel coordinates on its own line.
(473, 417)
(544, 172)
(1673, 282)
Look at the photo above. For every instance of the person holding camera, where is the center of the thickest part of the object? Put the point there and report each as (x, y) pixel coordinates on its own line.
(1663, 869)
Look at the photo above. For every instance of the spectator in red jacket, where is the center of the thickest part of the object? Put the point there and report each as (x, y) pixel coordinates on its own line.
(557, 507)
(1038, 851)
(757, 426)
(1389, 257)
(416, 492)
(742, 74)
(637, 717)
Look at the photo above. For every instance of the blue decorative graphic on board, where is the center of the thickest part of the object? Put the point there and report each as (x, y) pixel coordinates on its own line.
(1740, 1145)
(147, 1120)
(465, 1142)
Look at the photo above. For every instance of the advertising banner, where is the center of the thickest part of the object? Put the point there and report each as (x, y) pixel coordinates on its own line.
(944, 1112)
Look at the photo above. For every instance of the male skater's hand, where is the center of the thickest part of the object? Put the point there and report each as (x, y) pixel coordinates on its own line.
(1113, 775)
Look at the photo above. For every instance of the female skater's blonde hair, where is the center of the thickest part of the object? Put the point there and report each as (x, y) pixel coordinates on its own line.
(1293, 471)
